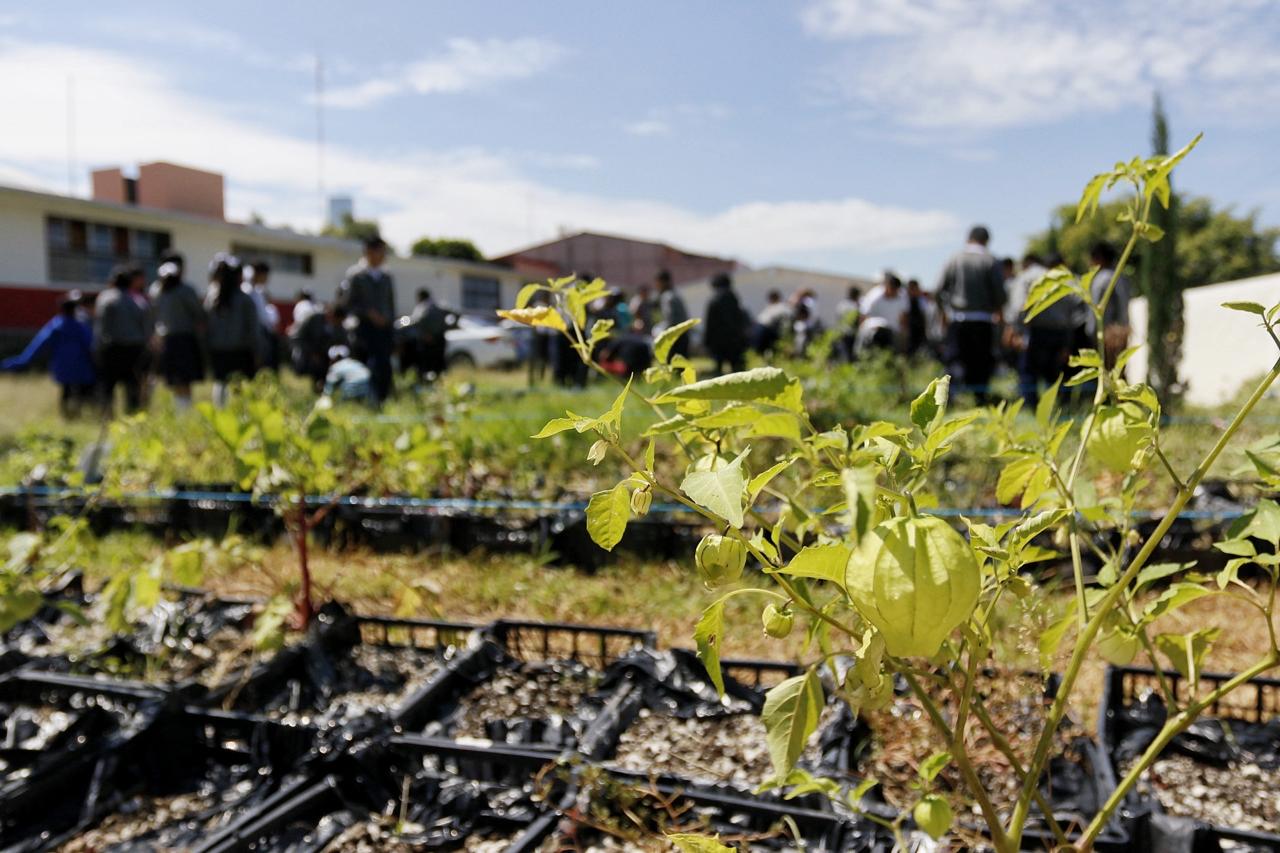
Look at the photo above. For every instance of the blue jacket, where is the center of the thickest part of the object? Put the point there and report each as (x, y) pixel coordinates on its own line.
(71, 359)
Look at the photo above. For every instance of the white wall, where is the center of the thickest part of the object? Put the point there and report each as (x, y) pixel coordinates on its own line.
(1221, 349)
(24, 256)
(753, 286)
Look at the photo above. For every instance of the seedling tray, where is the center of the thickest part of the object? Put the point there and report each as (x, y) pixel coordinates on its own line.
(1243, 726)
(450, 796)
(350, 667)
(53, 730)
(635, 810)
(666, 718)
(187, 775)
(486, 694)
(1075, 784)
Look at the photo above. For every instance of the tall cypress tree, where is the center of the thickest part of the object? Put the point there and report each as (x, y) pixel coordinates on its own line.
(1160, 281)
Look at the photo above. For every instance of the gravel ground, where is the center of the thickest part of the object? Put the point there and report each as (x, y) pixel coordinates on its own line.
(729, 748)
(142, 815)
(724, 749)
(904, 736)
(368, 678)
(1241, 796)
(549, 693)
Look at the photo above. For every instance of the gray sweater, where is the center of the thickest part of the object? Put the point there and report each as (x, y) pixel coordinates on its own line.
(178, 311)
(365, 290)
(972, 282)
(119, 320)
(234, 326)
(1117, 313)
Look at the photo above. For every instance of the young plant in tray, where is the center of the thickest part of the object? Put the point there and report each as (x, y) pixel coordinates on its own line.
(304, 462)
(840, 522)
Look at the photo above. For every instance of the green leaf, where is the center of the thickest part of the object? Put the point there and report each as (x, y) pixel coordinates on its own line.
(1176, 596)
(1051, 638)
(614, 415)
(748, 385)
(729, 416)
(666, 340)
(1246, 307)
(759, 481)
(186, 564)
(790, 716)
(607, 515)
(268, 628)
(1186, 651)
(719, 491)
(526, 293)
(821, 562)
(800, 782)
(707, 636)
(689, 842)
(1048, 400)
(931, 405)
(19, 605)
(776, 425)
(1014, 478)
(860, 499)
(556, 425)
(933, 765)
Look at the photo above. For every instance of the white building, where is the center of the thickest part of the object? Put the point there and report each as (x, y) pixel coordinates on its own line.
(1222, 349)
(753, 287)
(52, 243)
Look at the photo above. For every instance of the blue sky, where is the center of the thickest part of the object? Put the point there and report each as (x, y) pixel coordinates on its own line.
(848, 135)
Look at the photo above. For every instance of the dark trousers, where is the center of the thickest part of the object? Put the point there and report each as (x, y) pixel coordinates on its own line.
(121, 364)
(377, 345)
(972, 356)
(73, 398)
(734, 361)
(1043, 361)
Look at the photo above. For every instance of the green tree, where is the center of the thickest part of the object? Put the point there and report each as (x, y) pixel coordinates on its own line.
(1213, 244)
(1161, 279)
(351, 228)
(446, 247)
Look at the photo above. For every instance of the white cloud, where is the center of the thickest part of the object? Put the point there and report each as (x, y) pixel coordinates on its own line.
(950, 63)
(465, 64)
(648, 127)
(475, 193)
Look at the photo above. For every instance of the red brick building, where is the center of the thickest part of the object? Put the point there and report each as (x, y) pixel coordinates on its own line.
(624, 262)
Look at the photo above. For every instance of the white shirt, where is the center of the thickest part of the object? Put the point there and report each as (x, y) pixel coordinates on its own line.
(881, 309)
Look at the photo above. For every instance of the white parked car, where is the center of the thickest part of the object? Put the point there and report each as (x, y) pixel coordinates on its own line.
(479, 343)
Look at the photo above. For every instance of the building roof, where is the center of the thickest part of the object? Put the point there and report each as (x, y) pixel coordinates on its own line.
(622, 237)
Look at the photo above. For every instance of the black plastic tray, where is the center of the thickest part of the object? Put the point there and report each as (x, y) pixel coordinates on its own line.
(1256, 701)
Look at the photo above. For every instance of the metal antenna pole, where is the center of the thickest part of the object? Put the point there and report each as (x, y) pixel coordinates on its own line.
(71, 135)
(320, 139)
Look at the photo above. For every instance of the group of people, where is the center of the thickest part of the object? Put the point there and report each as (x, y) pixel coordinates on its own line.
(973, 321)
(134, 333)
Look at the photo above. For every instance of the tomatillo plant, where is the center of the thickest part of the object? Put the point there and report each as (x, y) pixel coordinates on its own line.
(839, 521)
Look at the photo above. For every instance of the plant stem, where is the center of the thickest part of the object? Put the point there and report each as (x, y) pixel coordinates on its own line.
(1172, 727)
(998, 837)
(305, 610)
(1006, 749)
(1091, 628)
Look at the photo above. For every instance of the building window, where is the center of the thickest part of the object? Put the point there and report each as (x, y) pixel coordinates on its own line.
(293, 263)
(86, 252)
(481, 293)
